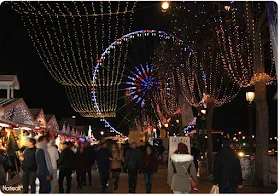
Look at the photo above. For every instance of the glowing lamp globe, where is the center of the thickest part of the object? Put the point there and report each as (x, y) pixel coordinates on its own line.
(203, 111)
(166, 125)
(250, 96)
(241, 154)
(227, 7)
(165, 5)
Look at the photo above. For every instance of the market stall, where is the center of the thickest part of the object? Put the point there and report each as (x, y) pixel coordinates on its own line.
(15, 119)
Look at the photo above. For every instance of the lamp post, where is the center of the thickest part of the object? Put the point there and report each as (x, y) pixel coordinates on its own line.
(250, 96)
(166, 126)
(203, 119)
(200, 122)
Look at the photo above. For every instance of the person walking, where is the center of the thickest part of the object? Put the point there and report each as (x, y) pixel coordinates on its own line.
(2, 163)
(116, 165)
(44, 165)
(183, 168)
(195, 152)
(29, 166)
(66, 165)
(88, 162)
(148, 166)
(81, 167)
(103, 160)
(132, 164)
(52, 149)
(227, 169)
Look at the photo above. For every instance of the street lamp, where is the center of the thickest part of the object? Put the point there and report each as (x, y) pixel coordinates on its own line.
(227, 7)
(166, 126)
(203, 111)
(201, 119)
(165, 5)
(155, 132)
(250, 96)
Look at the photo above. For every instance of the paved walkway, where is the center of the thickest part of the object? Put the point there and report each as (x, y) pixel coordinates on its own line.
(159, 185)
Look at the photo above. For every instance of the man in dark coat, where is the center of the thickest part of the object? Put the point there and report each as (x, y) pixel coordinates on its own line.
(132, 163)
(29, 166)
(103, 161)
(227, 169)
(89, 154)
(66, 165)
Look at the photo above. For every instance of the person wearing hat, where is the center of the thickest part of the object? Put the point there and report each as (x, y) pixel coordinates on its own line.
(103, 161)
(184, 170)
(66, 165)
(132, 164)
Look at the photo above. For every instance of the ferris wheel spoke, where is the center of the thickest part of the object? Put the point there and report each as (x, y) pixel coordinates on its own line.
(126, 115)
(135, 51)
(144, 47)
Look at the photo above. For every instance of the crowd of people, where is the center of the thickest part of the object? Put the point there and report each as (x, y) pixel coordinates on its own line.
(42, 159)
(52, 165)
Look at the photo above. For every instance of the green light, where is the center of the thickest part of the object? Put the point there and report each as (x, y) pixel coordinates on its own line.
(244, 144)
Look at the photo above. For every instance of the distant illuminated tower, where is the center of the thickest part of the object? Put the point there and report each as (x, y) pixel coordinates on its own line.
(89, 131)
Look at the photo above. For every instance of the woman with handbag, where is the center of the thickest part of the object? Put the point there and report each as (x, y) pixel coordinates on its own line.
(184, 177)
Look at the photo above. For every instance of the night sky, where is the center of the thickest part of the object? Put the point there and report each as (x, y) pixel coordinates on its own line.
(40, 90)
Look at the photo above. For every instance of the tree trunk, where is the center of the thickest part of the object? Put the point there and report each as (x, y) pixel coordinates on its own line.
(262, 136)
(210, 109)
(262, 127)
(186, 114)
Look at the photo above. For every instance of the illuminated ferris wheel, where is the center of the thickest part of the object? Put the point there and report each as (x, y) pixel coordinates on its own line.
(132, 89)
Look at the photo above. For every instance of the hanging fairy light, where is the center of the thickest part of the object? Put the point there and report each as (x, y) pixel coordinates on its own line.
(66, 37)
(242, 46)
(202, 78)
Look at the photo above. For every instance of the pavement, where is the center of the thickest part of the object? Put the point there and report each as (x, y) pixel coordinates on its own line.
(159, 185)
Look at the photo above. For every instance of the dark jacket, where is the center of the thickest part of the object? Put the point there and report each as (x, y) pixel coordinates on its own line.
(81, 162)
(89, 152)
(148, 163)
(67, 159)
(132, 159)
(227, 168)
(42, 169)
(102, 158)
(29, 163)
(2, 171)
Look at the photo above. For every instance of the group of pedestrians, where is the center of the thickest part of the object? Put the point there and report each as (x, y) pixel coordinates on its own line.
(136, 162)
(41, 159)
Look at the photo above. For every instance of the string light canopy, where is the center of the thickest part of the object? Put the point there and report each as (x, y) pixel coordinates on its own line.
(202, 79)
(242, 43)
(70, 36)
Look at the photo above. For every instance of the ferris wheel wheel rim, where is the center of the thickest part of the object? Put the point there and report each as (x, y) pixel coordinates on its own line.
(113, 44)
